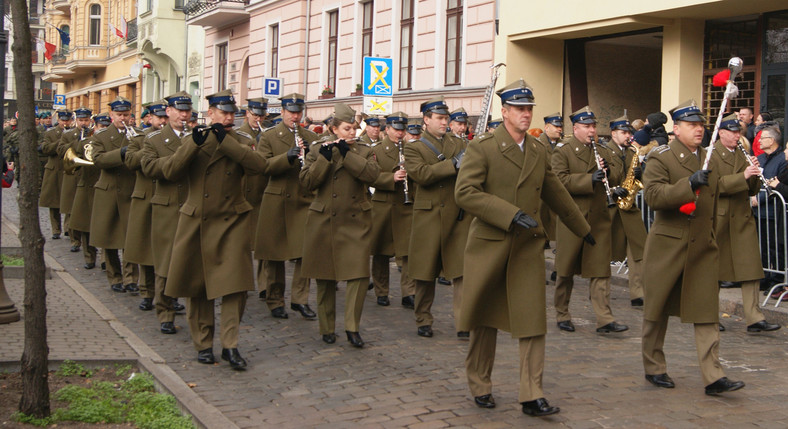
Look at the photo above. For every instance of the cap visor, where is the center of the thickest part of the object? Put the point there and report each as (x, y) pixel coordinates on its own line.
(396, 126)
(257, 111)
(692, 118)
(294, 108)
(523, 102)
(182, 106)
(227, 107)
(586, 121)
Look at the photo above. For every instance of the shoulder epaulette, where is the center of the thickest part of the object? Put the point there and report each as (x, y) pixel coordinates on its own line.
(244, 134)
(484, 136)
(154, 133)
(269, 128)
(661, 148)
(100, 131)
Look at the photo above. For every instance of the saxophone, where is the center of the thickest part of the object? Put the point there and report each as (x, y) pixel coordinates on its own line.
(632, 185)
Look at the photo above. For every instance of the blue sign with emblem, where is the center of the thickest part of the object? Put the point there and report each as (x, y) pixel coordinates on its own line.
(272, 87)
(378, 77)
(60, 101)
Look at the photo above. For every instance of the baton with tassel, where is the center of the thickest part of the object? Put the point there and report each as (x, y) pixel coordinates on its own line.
(723, 78)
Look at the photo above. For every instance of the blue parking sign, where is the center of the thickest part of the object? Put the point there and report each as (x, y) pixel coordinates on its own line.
(60, 101)
(272, 87)
(378, 77)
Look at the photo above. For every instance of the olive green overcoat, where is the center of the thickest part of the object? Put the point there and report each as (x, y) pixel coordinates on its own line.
(628, 226)
(68, 187)
(285, 204)
(253, 185)
(112, 198)
(53, 170)
(338, 226)
(681, 256)
(574, 164)
(437, 237)
(138, 247)
(503, 281)
(546, 215)
(737, 234)
(391, 217)
(87, 176)
(210, 253)
(168, 196)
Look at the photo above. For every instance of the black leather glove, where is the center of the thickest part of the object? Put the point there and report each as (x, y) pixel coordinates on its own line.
(598, 176)
(699, 178)
(200, 134)
(293, 153)
(123, 153)
(343, 147)
(325, 150)
(523, 220)
(218, 129)
(619, 192)
(589, 239)
(457, 160)
(638, 172)
(306, 149)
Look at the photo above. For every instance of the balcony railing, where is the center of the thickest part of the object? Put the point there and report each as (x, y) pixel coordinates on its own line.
(198, 7)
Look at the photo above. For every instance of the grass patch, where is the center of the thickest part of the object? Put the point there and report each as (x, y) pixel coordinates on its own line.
(69, 368)
(13, 261)
(133, 400)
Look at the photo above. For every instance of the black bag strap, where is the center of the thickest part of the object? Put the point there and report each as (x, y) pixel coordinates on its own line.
(440, 156)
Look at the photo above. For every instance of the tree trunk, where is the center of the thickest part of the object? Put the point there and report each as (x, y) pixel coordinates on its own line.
(34, 364)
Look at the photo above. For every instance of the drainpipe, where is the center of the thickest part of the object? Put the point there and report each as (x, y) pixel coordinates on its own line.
(306, 47)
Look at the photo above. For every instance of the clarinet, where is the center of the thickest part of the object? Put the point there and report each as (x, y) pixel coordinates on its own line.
(401, 145)
(610, 201)
(295, 137)
(749, 161)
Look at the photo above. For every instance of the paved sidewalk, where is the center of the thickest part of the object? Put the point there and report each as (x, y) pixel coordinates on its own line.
(402, 380)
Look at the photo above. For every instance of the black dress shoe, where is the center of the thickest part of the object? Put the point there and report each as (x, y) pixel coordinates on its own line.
(146, 304)
(553, 276)
(425, 331)
(463, 335)
(728, 285)
(330, 338)
(118, 287)
(721, 327)
(235, 359)
(132, 288)
(56, 236)
(409, 302)
(66, 233)
(485, 401)
(612, 327)
(168, 328)
(371, 285)
(723, 385)
(75, 248)
(566, 325)
(263, 294)
(89, 265)
(763, 326)
(637, 302)
(279, 313)
(103, 266)
(304, 309)
(206, 357)
(444, 281)
(355, 339)
(539, 408)
(177, 306)
(661, 380)
(384, 301)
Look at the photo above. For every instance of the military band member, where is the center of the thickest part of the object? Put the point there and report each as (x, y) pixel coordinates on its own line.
(41, 129)
(210, 254)
(68, 188)
(112, 196)
(371, 135)
(575, 165)
(168, 198)
(193, 121)
(504, 179)
(252, 130)
(138, 246)
(440, 228)
(736, 233)
(552, 135)
(492, 125)
(53, 172)
(628, 232)
(283, 212)
(391, 213)
(337, 232)
(145, 116)
(681, 252)
(458, 123)
(414, 129)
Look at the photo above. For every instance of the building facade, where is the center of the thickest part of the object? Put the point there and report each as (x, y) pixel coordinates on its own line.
(438, 47)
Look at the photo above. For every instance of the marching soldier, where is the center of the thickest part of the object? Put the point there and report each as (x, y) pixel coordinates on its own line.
(681, 252)
(504, 178)
(210, 254)
(138, 247)
(628, 232)
(283, 212)
(392, 213)
(737, 236)
(371, 135)
(168, 197)
(53, 172)
(414, 129)
(252, 130)
(575, 165)
(68, 188)
(43, 124)
(458, 123)
(337, 231)
(193, 121)
(440, 228)
(552, 135)
(11, 145)
(112, 198)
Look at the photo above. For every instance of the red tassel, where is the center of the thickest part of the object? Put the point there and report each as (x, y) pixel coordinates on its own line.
(688, 208)
(721, 78)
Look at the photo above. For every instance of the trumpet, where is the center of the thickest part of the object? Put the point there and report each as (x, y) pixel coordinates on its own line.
(130, 132)
(400, 146)
(610, 201)
(764, 182)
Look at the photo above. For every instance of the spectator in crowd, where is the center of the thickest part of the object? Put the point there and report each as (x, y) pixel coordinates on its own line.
(746, 116)
(772, 230)
(638, 124)
(8, 172)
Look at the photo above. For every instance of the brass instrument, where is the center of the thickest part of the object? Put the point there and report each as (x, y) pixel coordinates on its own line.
(130, 132)
(764, 182)
(401, 146)
(631, 184)
(72, 161)
(481, 126)
(598, 159)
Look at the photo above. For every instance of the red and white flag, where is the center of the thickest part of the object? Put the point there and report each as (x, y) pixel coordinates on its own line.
(49, 50)
(121, 32)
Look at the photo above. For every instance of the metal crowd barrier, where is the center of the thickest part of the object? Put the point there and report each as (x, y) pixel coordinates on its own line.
(771, 217)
